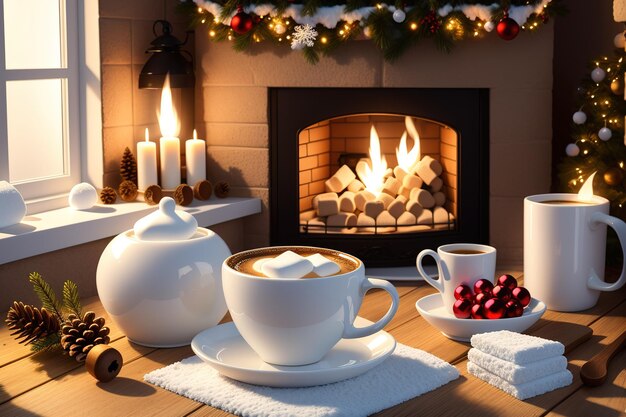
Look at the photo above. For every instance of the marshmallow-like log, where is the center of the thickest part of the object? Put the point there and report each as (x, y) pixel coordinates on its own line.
(385, 223)
(440, 215)
(323, 196)
(426, 217)
(414, 208)
(440, 198)
(305, 216)
(396, 208)
(340, 179)
(361, 198)
(411, 181)
(341, 220)
(423, 197)
(317, 222)
(436, 185)
(374, 208)
(406, 219)
(399, 173)
(428, 169)
(385, 198)
(355, 186)
(346, 202)
(392, 186)
(413, 229)
(402, 198)
(388, 173)
(404, 192)
(365, 223)
(362, 167)
(327, 204)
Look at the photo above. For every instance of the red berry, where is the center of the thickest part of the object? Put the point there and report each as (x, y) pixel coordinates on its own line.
(503, 293)
(522, 295)
(462, 308)
(508, 281)
(494, 308)
(514, 308)
(462, 291)
(483, 285)
(477, 312)
(482, 297)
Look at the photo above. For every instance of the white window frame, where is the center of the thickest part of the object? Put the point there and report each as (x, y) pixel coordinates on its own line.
(83, 112)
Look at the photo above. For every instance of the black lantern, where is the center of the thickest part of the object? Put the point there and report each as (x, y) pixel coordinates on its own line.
(167, 58)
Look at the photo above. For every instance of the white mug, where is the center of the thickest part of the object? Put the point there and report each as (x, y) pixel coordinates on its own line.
(298, 321)
(565, 247)
(458, 268)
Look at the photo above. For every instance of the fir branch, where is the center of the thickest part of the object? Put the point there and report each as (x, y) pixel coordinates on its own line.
(50, 342)
(310, 7)
(71, 300)
(311, 55)
(46, 294)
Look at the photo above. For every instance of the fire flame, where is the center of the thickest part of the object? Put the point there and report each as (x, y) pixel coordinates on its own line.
(586, 191)
(373, 176)
(408, 159)
(168, 119)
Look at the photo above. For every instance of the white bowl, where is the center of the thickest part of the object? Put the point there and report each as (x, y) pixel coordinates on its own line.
(432, 309)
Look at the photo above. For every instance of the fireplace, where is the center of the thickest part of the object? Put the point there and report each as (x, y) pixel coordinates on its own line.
(323, 142)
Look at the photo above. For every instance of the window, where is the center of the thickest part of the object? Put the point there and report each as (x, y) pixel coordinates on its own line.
(49, 98)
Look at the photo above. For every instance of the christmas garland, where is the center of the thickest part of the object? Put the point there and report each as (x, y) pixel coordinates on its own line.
(318, 27)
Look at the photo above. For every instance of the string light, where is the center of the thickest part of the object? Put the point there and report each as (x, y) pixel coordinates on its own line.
(324, 40)
(413, 26)
(211, 33)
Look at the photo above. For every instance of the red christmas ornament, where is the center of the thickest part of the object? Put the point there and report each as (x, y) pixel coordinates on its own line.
(502, 293)
(514, 309)
(494, 308)
(522, 295)
(242, 22)
(507, 28)
(431, 22)
(462, 308)
(482, 297)
(462, 291)
(483, 285)
(477, 312)
(508, 281)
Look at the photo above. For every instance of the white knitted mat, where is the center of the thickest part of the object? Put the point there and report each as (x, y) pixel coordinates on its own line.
(406, 374)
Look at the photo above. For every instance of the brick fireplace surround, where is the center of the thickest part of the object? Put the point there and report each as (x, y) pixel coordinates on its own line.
(233, 105)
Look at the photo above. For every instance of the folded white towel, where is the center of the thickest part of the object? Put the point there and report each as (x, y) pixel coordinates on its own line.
(517, 374)
(516, 347)
(406, 374)
(526, 390)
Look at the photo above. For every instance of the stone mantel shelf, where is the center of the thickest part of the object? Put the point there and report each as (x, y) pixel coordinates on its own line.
(57, 229)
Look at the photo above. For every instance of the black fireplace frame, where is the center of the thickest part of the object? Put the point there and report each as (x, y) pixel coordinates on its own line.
(464, 109)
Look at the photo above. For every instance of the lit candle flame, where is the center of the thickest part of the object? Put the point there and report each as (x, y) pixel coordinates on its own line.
(586, 191)
(374, 175)
(195, 135)
(147, 135)
(168, 119)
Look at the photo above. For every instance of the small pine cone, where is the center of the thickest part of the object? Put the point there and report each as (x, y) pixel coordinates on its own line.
(128, 191)
(29, 323)
(222, 189)
(183, 195)
(128, 166)
(80, 335)
(108, 195)
(153, 194)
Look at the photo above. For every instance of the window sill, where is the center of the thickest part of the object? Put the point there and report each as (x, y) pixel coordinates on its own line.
(57, 229)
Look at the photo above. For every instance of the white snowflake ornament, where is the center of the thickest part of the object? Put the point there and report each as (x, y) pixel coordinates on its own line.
(303, 35)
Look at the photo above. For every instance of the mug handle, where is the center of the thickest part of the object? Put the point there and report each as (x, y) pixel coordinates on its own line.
(594, 282)
(351, 332)
(438, 284)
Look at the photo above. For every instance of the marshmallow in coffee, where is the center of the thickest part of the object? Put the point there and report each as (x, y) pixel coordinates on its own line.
(322, 266)
(291, 265)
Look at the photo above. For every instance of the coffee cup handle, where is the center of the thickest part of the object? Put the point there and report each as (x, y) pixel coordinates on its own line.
(438, 284)
(351, 332)
(594, 282)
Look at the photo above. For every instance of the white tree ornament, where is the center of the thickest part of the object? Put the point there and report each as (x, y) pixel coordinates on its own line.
(303, 35)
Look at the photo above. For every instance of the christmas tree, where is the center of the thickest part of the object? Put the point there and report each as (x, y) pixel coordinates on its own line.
(598, 133)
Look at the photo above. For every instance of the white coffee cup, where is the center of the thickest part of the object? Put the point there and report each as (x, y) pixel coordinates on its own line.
(565, 247)
(456, 268)
(298, 321)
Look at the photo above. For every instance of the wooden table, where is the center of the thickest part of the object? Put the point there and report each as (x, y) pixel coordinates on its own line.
(49, 384)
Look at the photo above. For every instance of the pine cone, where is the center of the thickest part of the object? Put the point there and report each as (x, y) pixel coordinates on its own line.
(128, 191)
(79, 336)
(222, 189)
(183, 195)
(108, 195)
(30, 324)
(128, 166)
(153, 194)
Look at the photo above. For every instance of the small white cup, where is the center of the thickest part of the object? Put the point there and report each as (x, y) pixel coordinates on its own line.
(298, 321)
(456, 269)
(564, 250)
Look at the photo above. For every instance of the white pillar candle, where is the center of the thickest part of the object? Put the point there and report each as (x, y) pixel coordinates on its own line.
(170, 162)
(195, 157)
(146, 163)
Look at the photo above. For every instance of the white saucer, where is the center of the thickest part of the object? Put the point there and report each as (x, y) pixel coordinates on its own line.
(432, 309)
(224, 349)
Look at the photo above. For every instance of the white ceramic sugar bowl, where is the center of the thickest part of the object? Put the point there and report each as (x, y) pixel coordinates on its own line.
(161, 281)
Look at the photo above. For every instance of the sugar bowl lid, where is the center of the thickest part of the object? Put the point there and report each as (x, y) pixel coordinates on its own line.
(166, 223)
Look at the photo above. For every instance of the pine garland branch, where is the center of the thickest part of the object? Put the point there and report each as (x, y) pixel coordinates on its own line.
(46, 294)
(51, 342)
(71, 300)
(311, 55)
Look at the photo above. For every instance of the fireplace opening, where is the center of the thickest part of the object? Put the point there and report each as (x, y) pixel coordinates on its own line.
(380, 173)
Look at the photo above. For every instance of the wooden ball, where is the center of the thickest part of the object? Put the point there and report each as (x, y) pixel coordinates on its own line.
(104, 362)
(202, 190)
